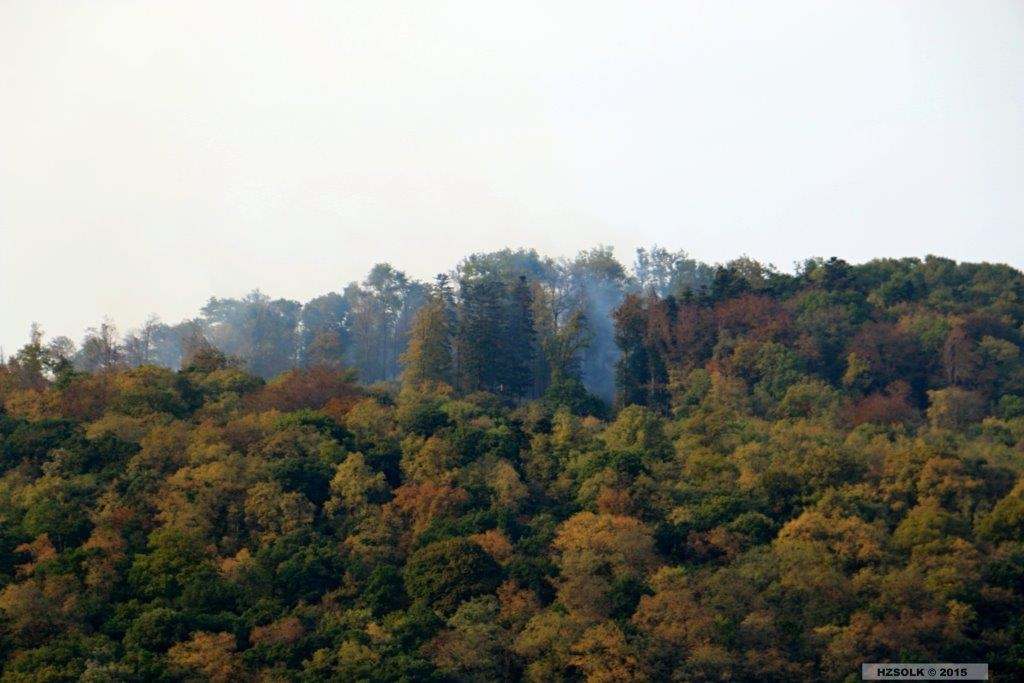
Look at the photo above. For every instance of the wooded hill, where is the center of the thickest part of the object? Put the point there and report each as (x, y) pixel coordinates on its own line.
(528, 469)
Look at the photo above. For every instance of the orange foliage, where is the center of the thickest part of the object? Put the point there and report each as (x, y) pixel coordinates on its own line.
(87, 398)
(41, 550)
(210, 655)
(310, 388)
(889, 407)
(614, 502)
(283, 631)
(337, 407)
(517, 604)
(496, 543)
(753, 316)
(415, 506)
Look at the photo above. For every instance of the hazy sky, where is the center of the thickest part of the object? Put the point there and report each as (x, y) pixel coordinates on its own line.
(155, 153)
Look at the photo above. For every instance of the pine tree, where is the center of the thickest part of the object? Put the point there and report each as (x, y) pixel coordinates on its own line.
(479, 341)
(519, 341)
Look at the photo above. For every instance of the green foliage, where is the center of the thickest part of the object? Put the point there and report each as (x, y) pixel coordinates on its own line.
(308, 476)
(384, 591)
(802, 472)
(445, 573)
(157, 630)
(572, 394)
(303, 565)
(151, 389)
(173, 557)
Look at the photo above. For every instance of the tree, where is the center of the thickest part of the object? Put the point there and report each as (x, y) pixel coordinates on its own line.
(30, 615)
(474, 646)
(666, 273)
(209, 655)
(260, 331)
(480, 329)
(28, 368)
(640, 432)
(164, 571)
(890, 355)
(140, 345)
(673, 616)
(604, 656)
(100, 350)
(519, 340)
(641, 373)
(354, 488)
(324, 333)
(563, 334)
(270, 512)
(1006, 520)
(326, 349)
(954, 408)
(597, 553)
(545, 643)
(448, 572)
(381, 313)
(428, 357)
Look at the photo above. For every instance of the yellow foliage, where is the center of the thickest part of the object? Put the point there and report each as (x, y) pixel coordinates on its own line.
(211, 656)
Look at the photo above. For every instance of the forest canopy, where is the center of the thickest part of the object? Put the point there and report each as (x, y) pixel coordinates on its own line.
(527, 469)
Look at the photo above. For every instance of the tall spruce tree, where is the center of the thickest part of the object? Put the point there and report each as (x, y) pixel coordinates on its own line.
(519, 341)
(479, 341)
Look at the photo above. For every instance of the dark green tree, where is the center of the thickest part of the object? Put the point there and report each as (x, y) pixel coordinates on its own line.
(445, 573)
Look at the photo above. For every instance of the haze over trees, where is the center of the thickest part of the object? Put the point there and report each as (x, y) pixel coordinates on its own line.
(527, 469)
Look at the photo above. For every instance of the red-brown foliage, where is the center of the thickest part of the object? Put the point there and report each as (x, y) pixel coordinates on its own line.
(309, 388)
(889, 407)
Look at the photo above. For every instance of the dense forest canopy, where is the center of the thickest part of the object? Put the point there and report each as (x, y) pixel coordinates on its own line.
(528, 469)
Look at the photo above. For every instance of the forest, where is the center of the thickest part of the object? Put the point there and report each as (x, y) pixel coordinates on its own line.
(527, 469)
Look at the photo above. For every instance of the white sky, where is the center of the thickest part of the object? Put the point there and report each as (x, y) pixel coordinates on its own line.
(155, 153)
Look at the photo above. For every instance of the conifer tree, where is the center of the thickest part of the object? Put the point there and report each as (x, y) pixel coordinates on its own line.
(479, 340)
(519, 341)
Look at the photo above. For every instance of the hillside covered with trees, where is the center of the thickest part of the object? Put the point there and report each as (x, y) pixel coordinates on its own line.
(528, 469)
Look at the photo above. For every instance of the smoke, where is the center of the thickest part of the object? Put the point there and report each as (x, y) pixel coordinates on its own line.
(601, 298)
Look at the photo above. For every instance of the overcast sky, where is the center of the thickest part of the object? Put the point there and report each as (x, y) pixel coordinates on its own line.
(155, 153)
